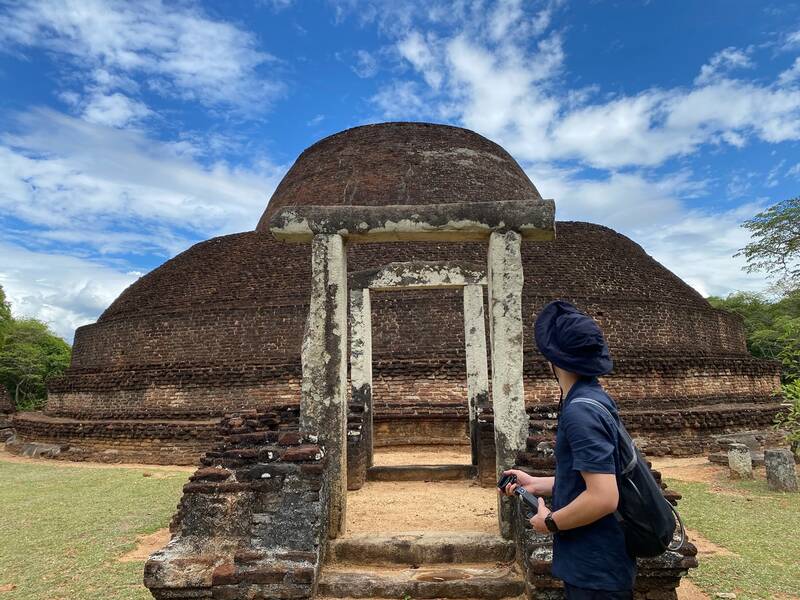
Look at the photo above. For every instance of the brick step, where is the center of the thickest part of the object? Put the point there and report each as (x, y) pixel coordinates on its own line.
(482, 580)
(421, 472)
(420, 548)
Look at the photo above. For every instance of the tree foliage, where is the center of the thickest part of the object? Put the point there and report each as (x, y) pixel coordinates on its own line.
(775, 248)
(30, 355)
(772, 327)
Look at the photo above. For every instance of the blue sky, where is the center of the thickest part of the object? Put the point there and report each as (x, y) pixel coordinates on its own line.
(130, 131)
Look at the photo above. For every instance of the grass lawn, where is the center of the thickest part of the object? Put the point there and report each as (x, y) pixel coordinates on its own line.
(62, 529)
(761, 528)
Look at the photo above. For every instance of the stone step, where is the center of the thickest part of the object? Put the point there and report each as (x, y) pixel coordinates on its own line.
(433, 581)
(421, 472)
(421, 548)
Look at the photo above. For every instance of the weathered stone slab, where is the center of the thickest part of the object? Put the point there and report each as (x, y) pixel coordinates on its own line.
(361, 362)
(534, 219)
(418, 548)
(419, 274)
(740, 462)
(323, 408)
(477, 368)
(781, 471)
(505, 302)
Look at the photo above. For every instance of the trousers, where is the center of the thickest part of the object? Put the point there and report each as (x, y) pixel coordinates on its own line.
(575, 593)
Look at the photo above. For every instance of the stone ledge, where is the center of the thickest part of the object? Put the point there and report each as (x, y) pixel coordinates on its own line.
(459, 221)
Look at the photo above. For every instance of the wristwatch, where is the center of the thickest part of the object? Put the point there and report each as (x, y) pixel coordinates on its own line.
(550, 523)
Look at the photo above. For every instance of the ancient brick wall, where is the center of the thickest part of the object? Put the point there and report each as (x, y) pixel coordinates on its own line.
(183, 336)
(169, 442)
(252, 522)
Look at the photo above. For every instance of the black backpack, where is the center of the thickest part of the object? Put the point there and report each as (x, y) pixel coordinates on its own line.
(646, 517)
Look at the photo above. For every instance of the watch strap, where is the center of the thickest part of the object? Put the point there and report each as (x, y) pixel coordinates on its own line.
(550, 523)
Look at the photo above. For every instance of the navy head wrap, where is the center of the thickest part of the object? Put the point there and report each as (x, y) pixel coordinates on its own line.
(572, 340)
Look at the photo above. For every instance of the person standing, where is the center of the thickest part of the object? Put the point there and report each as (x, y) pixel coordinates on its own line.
(589, 552)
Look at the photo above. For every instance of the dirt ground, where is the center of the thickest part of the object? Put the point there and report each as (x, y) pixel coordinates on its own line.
(418, 505)
(422, 455)
(694, 468)
(146, 545)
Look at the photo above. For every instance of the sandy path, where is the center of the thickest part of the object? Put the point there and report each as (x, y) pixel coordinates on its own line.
(422, 455)
(417, 505)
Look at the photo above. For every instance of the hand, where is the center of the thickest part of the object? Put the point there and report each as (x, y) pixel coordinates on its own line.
(538, 486)
(537, 522)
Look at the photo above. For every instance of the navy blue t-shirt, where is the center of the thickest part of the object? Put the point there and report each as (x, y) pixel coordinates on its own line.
(592, 556)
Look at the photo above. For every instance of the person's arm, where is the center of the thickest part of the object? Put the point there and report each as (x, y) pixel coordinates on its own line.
(538, 486)
(598, 500)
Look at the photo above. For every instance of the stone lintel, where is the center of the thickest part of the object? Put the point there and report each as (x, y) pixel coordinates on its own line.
(459, 221)
(419, 274)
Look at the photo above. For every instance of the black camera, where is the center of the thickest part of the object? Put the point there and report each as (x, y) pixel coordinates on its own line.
(530, 503)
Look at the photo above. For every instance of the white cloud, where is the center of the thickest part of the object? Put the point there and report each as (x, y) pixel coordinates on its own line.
(114, 110)
(176, 49)
(722, 63)
(415, 49)
(697, 245)
(791, 74)
(119, 191)
(508, 88)
(64, 291)
(699, 248)
(366, 66)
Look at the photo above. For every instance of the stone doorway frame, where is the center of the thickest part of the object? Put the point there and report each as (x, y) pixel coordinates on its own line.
(323, 406)
(418, 275)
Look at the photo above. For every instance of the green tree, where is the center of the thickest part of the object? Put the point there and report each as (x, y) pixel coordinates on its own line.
(30, 355)
(5, 315)
(775, 248)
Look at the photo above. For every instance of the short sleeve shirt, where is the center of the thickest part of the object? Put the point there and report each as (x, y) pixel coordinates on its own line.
(592, 556)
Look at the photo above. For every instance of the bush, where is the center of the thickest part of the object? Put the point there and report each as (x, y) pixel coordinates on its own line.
(789, 420)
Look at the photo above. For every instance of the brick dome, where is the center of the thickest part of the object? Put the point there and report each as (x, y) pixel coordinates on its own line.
(401, 163)
(219, 327)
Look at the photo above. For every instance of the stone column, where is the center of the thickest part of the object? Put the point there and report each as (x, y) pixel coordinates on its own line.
(477, 368)
(781, 472)
(361, 361)
(505, 305)
(323, 408)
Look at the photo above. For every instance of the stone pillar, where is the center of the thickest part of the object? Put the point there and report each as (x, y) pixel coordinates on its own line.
(740, 462)
(477, 368)
(505, 305)
(323, 408)
(361, 362)
(781, 472)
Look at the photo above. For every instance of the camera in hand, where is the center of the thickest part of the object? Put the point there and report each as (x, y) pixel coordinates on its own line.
(530, 503)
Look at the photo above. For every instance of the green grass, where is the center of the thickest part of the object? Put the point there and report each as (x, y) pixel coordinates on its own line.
(761, 527)
(62, 529)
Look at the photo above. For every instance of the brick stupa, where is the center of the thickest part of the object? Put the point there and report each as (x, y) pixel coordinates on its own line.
(219, 327)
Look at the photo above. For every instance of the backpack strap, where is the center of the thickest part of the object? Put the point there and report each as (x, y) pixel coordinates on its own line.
(629, 467)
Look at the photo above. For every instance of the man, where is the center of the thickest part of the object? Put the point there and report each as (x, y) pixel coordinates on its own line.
(589, 552)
